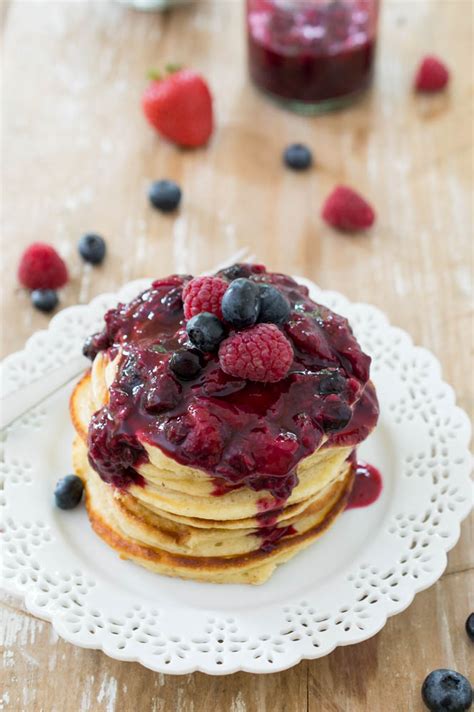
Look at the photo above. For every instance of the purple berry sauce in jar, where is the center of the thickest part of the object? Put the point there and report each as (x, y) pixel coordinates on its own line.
(312, 55)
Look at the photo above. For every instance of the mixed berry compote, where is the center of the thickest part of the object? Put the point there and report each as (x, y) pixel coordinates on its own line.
(312, 54)
(241, 433)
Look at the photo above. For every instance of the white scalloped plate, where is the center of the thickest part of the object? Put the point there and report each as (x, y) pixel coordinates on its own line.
(340, 591)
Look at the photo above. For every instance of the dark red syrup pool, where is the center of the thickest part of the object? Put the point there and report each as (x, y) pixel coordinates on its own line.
(365, 491)
(367, 486)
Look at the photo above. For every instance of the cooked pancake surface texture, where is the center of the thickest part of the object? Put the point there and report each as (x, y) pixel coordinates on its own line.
(217, 478)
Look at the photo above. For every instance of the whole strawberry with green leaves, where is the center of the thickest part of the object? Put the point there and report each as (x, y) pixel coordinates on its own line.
(179, 106)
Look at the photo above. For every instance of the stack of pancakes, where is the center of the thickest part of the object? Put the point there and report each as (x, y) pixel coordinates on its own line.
(172, 522)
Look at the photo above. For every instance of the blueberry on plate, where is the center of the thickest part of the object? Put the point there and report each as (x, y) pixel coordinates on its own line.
(165, 195)
(298, 157)
(274, 306)
(68, 492)
(241, 303)
(92, 248)
(446, 691)
(185, 364)
(44, 299)
(205, 331)
(470, 626)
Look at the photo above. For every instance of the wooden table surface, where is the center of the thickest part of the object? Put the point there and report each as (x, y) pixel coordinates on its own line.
(78, 156)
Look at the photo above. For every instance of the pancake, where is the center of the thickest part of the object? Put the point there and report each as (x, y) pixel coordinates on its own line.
(148, 540)
(164, 493)
(213, 477)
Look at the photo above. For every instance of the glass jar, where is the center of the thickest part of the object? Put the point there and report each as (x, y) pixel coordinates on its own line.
(312, 55)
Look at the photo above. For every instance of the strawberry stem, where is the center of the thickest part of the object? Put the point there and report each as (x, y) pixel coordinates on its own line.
(154, 74)
(172, 68)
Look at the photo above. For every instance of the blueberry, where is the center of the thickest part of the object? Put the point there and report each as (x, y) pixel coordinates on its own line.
(330, 382)
(185, 364)
(236, 271)
(205, 331)
(68, 492)
(298, 157)
(336, 414)
(241, 303)
(165, 195)
(44, 299)
(470, 626)
(274, 307)
(92, 248)
(164, 394)
(95, 343)
(446, 691)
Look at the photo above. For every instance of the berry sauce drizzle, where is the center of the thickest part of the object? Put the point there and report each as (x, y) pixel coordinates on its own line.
(366, 489)
(367, 485)
(272, 535)
(241, 433)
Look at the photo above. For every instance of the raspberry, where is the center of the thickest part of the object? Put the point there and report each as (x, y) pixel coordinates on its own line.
(261, 353)
(345, 209)
(309, 337)
(204, 294)
(432, 75)
(42, 268)
(204, 441)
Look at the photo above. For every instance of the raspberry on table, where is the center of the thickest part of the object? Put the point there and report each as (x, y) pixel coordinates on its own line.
(260, 353)
(204, 294)
(346, 210)
(42, 268)
(432, 75)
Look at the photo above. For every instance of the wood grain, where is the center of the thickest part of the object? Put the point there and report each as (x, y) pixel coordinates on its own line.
(77, 156)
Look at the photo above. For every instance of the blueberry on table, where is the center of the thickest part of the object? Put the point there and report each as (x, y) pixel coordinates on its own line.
(92, 248)
(44, 299)
(446, 691)
(241, 303)
(205, 331)
(68, 492)
(274, 307)
(470, 626)
(185, 364)
(298, 157)
(165, 195)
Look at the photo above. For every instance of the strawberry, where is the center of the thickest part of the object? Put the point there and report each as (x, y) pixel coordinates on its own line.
(180, 108)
